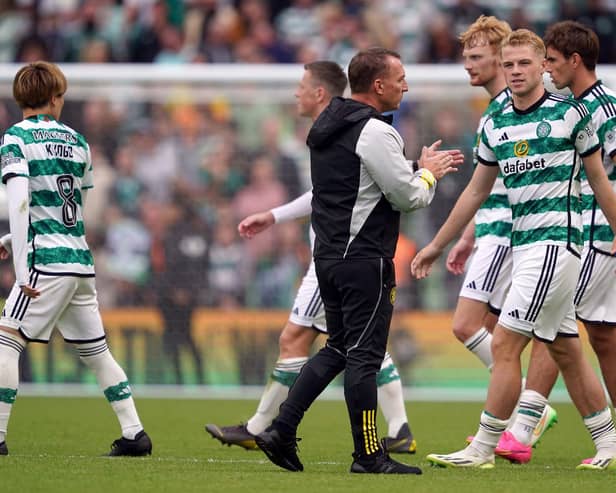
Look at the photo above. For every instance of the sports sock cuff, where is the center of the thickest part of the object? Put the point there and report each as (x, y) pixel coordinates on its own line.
(118, 392)
(473, 341)
(8, 396)
(532, 403)
(387, 375)
(596, 413)
(286, 370)
(12, 342)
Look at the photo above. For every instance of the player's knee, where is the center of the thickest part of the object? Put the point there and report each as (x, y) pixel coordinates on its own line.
(461, 331)
(293, 342)
(503, 351)
(565, 355)
(602, 340)
(464, 327)
(285, 341)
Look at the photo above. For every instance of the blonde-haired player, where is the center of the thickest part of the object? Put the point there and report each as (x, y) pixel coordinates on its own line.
(536, 142)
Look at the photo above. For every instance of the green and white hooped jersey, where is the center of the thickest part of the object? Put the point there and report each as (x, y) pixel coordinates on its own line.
(493, 219)
(601, 103)
(538, 151)
(57, 162)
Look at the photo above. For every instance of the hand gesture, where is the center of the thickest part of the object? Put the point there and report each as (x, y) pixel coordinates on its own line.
(4, 253)
(421, 266)
(5, 246)
(440, 163)
(254, 224)
(30, 292)
(458, 255)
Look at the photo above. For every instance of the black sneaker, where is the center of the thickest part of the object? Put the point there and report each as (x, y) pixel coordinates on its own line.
(382, 464)
(141, 445)
(3, 449)
(280, 450)
(233, 435)
(403, 443)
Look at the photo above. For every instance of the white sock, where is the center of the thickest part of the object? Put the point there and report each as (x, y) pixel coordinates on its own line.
(391, 400)
(529, 411)
(112, 379)
(490, 430)
(10, 348)
(283, 376)
(514, 415)
(480, 345)
(601, 428)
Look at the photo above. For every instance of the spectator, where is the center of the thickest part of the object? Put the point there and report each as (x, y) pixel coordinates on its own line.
(596, 15)
(126, 191)
(263, 191)
(298, 23)
(441, 44)
(228, 267)
(13, 25)
(180, 282)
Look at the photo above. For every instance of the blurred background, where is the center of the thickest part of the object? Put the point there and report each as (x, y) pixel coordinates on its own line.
(189, 110)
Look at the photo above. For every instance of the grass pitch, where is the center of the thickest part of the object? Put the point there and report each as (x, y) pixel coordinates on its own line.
(56, 444)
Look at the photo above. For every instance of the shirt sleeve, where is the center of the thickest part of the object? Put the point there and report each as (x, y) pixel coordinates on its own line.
(485, 153)
(608, 130)
(300, 207)
(88, 176)
(380, 148)
(19, 212)
(584, 134)
(12, 158)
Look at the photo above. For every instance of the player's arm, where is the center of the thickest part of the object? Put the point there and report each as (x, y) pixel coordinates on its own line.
(380, 149)
(19, 212)
(256, 223)
(601, 186)
(461, 251)
(467, 204)
(296, 209)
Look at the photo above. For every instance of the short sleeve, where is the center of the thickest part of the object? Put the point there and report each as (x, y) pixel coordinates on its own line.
(12, 159)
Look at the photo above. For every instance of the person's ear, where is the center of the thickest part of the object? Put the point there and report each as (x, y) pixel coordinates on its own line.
(378, 86)
(321, 94)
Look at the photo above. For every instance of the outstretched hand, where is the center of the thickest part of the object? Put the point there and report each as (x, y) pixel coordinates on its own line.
(255, 224)
(440, 163)
(421, 266)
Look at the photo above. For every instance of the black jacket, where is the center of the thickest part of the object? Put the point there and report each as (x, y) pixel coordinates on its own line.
(360, 182)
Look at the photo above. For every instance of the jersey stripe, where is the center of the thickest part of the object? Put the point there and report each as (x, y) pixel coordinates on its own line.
(601, 103)
(57, 162)
(493, 219)
(543, 284)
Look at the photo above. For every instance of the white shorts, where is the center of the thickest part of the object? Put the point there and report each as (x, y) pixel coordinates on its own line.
(66, 302)
(488, 275)
(540, 300)
(595, 295)
(308, 310)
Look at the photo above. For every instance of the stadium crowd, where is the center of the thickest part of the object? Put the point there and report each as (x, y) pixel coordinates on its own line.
(275, 31)
(173, 180)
